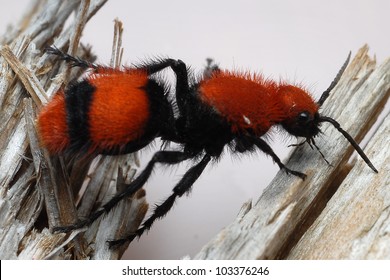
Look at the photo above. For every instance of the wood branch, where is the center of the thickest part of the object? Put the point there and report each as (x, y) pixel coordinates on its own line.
(37, 191)
(293, 218)
(355, 222)
(339, 211)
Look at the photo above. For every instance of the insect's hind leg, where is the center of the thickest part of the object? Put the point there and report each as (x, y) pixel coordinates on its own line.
(155, 66)
(184, 186)
(150, 67)
(165, 157)
(72, 60)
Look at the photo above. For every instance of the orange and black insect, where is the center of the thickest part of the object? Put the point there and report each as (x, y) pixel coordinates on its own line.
(224, 108)
(112, 111)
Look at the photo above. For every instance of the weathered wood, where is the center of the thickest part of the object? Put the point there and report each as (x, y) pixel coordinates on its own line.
(29, 178)
(292, 219)
(288, 206)
(355, 223)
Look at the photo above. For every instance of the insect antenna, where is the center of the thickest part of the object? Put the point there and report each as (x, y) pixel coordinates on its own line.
(350, 139)
(326, 93)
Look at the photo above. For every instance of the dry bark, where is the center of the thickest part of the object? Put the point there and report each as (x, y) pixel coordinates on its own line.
(293, 218)
(37, 191)
(339, 211)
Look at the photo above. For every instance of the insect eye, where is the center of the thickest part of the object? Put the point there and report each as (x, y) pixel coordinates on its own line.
(303, 117)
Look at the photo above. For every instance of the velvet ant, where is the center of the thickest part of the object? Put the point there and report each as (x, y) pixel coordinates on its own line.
(120, 111)
(111, 112)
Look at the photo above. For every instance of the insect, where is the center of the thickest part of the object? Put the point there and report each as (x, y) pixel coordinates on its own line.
(222, 109)
(111, 112)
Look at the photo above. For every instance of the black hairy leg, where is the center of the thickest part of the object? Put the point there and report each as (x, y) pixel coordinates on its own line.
(72, 60)
(164, 157)
(184, 186)
(157, 65)
(150, 67)
(263, 146)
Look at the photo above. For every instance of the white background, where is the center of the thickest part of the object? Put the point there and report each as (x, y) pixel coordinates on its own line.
(301, 41)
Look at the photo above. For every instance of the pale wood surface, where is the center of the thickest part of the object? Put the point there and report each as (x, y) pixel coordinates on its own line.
(37, 191)
(339, 211)
(355, 223)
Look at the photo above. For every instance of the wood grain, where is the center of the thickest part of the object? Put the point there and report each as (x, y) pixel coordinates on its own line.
(38, 191)
(291, 212)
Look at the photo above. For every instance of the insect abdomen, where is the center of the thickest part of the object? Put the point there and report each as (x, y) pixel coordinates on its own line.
(52, 125)
(99, 114)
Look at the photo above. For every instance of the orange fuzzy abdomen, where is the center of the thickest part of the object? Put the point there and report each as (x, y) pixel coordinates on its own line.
(52, 126)
(119, 110)
(245, 101)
